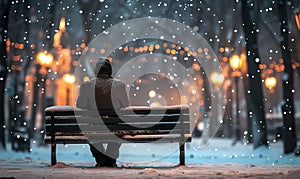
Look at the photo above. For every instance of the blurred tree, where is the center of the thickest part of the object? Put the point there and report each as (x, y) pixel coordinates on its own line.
(288, 111)
(90, 9)
(5, 6)
(41, 35)
(18, 61)
(256, 105)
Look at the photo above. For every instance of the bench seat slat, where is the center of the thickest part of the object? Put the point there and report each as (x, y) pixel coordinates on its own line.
(65, 133)
(119, 133)
(129, 138)
(140, 137)
(113, 128)
(111, 119)
(167, 137)
(67, 139)
(76, 111)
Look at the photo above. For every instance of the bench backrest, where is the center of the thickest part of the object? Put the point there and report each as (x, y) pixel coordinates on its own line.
(69, 121)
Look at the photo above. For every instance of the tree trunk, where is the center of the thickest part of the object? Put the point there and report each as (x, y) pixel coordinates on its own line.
(47, 40)
(89, 7)
(35, 101)
(288, 111)
(5, 6)
(256, 105)
(19, 61)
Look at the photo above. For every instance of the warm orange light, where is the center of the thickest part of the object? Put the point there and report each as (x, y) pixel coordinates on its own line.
(173, 52)
(297, 18)
(82, 45)
(181, 52)
(62, 24)
(69, 78)
(196, 66)
(270, 82)
(44, 59)
(151, 48)
(235, 62)
(93, 50)
(109, 59)
(86, 78)
(184, 99)
(145, 48)
(155, 104)
(102, 51)
(141, 49)
(217, 78)
(222, 49)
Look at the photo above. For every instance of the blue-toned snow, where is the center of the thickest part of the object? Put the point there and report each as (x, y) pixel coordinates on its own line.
(218, 151)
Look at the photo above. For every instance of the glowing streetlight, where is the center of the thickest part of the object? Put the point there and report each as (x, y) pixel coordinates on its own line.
(235, 62)
(45, 59)
(69, 78)
(270, 83)
(217, 78)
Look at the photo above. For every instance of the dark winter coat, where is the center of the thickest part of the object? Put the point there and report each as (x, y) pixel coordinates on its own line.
(102, 92)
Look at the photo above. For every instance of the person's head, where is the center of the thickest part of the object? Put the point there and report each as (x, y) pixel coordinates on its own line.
(103, 66)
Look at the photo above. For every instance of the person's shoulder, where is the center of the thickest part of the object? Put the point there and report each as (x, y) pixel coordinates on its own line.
(88, 83)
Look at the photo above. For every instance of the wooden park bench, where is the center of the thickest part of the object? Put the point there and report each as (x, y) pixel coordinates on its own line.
(69, 125)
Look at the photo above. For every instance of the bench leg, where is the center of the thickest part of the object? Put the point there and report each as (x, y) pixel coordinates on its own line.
(181, 154)
(53, 154)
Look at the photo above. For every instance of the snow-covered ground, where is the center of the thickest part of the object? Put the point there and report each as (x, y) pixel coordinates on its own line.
(218, 159)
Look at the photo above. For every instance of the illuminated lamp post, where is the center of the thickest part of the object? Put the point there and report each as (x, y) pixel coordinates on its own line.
(69, 79)
(44, 59)
(270, 83)
(236, 64)
(217, 80)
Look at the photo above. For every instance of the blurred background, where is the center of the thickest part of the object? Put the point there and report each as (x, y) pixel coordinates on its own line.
(256, 42)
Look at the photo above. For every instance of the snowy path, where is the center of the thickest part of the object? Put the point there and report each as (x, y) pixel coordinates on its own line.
(190, 171)
(217, 160)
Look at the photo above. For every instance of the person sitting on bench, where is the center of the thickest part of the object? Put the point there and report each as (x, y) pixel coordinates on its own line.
(109, 93)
